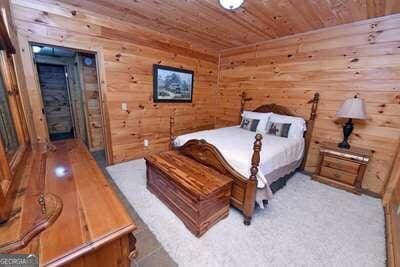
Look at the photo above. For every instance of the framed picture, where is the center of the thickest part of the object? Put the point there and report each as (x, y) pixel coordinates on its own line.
(172, 84)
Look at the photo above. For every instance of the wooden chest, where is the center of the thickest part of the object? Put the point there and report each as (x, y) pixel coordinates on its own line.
(197, 194)
(343, 168)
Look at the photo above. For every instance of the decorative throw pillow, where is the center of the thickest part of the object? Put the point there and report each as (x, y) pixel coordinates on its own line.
(263, 117)
(278, 129)
(297, 127)
(249, 124)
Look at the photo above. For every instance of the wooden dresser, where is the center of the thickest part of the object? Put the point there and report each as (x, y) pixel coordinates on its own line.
(391, 202)
(393, 227)
(342, 168)
(66, 213)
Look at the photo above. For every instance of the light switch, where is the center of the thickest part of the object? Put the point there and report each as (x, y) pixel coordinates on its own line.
(124, 107)
(146, 142)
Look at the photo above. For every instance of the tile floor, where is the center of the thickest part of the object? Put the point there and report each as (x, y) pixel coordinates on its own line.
(150, 251)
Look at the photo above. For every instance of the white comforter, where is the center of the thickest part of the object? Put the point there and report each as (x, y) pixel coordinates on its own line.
(236, 145)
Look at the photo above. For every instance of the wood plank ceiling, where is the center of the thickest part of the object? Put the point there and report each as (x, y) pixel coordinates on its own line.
(209, 27)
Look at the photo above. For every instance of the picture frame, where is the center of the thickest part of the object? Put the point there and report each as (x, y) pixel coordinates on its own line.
(172, 85)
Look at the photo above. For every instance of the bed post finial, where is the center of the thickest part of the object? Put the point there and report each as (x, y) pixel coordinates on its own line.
(172, 130)
(255, 159)
(243, 100)
(251, 188)
(314, 102)
(310, 128)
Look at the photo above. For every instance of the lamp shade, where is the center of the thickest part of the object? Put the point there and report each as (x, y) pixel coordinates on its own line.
(352, 108)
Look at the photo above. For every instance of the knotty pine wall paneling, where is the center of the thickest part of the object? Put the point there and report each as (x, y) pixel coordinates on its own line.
(360, 58)
(210, 27)
(126, 54)
(91, 92)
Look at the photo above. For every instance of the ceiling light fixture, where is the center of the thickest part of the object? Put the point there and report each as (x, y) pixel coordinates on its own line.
(36, 49)
(231, 4)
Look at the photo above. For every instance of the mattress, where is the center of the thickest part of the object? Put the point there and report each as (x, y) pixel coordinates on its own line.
(236, 146)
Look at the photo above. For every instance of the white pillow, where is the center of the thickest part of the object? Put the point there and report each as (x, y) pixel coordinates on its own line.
(298, 125)
(263, 117)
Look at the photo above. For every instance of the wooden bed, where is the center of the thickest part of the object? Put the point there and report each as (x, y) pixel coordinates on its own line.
(243, 189)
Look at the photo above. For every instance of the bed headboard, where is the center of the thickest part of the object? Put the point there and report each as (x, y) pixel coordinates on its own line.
(282, 110)
(277, 109)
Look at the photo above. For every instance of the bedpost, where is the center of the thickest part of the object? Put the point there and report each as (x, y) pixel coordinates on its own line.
(250, 196)
(310, 128)
(171, 131)
(243, 100)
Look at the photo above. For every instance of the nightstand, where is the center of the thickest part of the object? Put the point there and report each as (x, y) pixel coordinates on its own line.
(342, 168)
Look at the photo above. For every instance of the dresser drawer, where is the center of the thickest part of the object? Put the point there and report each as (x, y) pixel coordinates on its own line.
(345, 177)
(340, 164)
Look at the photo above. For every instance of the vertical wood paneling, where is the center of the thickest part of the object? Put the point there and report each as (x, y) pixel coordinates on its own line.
(360, 58)
(55, 98)
(129, 53)
(91, 91)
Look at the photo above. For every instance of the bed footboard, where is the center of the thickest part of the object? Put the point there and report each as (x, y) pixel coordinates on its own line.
(243, 190)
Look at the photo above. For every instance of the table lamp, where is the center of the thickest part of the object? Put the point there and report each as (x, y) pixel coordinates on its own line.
(352, 108)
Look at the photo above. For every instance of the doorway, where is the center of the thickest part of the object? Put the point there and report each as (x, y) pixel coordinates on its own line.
(71, 96)
(56, 101)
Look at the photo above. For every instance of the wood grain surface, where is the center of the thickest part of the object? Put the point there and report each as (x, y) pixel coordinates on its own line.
(92, 215)
(211, 28)
(126, 54)
(339, 62)
(90, 87)
(200, 180)
(197, 194)
(360, 58)
(56, 98)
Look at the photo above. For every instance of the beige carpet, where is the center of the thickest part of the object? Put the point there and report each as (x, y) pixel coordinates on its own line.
(306, 224)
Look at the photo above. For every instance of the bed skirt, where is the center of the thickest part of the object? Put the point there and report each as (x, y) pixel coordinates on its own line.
(277, 179)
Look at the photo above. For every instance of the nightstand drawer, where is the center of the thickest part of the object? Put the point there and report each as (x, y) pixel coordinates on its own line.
(340, 164)
(345, 177)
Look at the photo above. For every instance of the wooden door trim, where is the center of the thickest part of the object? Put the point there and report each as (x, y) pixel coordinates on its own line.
(85, 104)
(28, 65)
(101, 80)
(67, 63)
(65, 66)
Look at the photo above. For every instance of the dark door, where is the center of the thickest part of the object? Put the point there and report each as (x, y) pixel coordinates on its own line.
(56, 100)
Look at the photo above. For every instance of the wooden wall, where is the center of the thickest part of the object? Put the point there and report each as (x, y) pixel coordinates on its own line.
(91, 91)
(360, 58)
(338, 62)
(126, 54)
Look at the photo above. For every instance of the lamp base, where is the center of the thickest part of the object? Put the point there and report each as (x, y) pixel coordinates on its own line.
(344, 144)
(347, 130)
